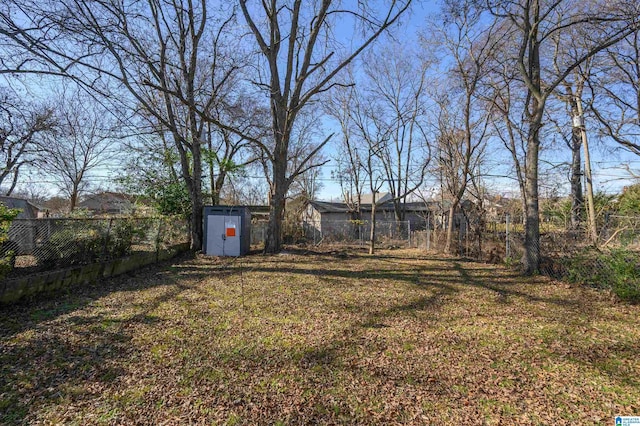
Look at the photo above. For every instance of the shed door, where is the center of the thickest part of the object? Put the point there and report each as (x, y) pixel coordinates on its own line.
(215, 230)
(223, 235)
(232, 235)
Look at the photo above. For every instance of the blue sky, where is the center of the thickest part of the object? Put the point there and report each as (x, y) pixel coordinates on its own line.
(609, 176)
(607, 159)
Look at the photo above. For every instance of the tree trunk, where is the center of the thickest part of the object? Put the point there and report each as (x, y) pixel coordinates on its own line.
(212, 183)
(196, 221)
(277, 204)
(14, 182)
(591, 217)
(276, 212)
(452, 211)
(193, 179)
(372, 235)
(217, 187)
(531, 255)
(535, 112)
(577, 199)
(196, 201)
(74, 199)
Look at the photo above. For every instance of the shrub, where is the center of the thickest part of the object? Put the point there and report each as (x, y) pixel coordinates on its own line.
(629, 201)
(71, 247)
(7, 248)
(86, 242)
(122, 236)
(617, 270)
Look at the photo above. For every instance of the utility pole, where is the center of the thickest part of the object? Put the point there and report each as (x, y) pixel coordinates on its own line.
(578, 122)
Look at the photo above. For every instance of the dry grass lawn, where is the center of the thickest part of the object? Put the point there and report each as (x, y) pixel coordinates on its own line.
(399, 338)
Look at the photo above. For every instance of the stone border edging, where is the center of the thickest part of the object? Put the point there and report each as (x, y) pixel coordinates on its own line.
(47, 282)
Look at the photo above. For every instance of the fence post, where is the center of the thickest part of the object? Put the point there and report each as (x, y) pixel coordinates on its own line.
(158, 238)
(106, 238)
(508, 245)
(429, 231)
(466, 236)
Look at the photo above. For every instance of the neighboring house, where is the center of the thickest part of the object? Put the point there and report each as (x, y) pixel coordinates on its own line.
(323, 215)
(259, 213)
(328, 216)
(22, 232)
(496, 207)
(108, 203)
(28, 209)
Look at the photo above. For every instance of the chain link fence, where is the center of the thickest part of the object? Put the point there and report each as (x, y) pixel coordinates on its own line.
(611, 260)
(358, 232)
(36, 245)
(259, 233)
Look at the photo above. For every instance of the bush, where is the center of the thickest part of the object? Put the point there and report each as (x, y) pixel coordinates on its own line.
(122, 236)
(71, 247)
(617, 270)
(7, 248)
(89, 243)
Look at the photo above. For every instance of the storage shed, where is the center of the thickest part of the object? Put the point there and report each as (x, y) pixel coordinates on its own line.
(227, 230)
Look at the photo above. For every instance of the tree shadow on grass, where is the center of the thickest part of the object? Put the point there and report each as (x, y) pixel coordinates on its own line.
(52, 368)
(327, 269)
(29, 312)
(73, 359)
(346, 356)
(506, 291)
(448, 274)
(43, 368)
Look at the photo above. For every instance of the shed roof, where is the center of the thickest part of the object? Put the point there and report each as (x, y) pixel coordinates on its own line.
(381, 197)
(29, 210)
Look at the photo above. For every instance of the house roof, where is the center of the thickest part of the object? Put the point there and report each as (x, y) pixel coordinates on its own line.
(106, 201)
(329, 207)
(29, 210)
(381, 197)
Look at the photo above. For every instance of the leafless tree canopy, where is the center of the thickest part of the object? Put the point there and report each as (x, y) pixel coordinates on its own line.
(211, 93)
(85, 139)
(23, 124)
(300, 58)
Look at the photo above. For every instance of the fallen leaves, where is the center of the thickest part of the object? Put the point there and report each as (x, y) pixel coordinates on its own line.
(321, 339)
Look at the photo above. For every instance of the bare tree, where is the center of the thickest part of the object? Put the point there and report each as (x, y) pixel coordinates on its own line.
(506, 95)
(85, 139)
(395, 91)
(225, 153)
(22, 124)
(348, 173)
(372, 136)
(302, 58)
(167, 57)
(615, 93)
(572, 94)
(229, 151)
(462, 137)
(532, 23)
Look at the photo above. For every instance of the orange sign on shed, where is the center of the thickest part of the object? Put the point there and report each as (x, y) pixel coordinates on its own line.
(231, 232)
